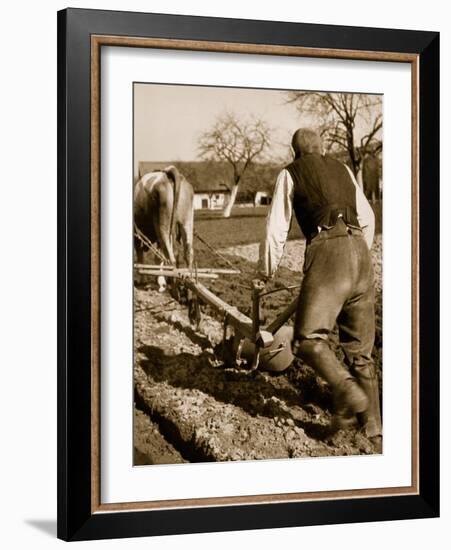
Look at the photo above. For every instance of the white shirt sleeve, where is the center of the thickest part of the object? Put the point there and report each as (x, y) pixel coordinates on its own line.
(278, 224)
(365, 213)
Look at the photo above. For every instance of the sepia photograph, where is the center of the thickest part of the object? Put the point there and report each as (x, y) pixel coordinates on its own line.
(257, 235)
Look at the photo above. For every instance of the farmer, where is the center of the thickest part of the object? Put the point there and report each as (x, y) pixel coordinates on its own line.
(338, 286)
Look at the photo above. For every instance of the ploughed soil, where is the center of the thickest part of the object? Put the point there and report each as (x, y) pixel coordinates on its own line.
(193, 403)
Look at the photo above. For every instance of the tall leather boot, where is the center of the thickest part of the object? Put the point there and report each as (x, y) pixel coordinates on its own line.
(349, 397)
(371, 418)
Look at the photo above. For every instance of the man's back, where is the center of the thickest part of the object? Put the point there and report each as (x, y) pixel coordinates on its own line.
(323, 191)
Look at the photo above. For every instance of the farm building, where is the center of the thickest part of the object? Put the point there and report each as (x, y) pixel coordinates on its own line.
(262, 198)
(210, 195)
(210, 181)
(145, 167)
(210, 190)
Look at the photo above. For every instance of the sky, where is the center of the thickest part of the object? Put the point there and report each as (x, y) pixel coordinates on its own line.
(169, 119)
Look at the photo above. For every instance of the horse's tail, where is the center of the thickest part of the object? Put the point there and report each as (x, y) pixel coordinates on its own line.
(174, 175)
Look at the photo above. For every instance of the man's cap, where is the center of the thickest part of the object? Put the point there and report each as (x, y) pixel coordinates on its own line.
(306, 140)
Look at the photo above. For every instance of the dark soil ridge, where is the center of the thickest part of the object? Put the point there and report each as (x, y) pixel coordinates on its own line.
(149, 445)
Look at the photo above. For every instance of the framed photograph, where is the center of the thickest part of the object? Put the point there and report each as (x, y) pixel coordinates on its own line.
(248, 274)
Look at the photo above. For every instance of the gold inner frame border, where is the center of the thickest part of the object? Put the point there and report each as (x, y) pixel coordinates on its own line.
(97, 41)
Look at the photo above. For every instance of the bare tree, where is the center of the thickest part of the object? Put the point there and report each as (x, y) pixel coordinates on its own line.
(337, 115)
(239, 144)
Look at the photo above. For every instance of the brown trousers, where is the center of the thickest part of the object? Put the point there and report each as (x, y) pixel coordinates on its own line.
(338, 288)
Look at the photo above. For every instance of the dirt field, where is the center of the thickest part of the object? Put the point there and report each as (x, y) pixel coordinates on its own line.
(193, 405)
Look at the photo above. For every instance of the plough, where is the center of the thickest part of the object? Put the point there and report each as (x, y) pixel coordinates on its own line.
(253, 345)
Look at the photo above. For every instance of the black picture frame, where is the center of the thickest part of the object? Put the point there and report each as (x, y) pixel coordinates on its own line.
(76, 518)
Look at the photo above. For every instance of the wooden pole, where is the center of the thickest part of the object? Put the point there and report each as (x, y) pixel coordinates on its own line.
(255, 312)
(220, 271)
(234, 317)
(283, 317)
(174, 273)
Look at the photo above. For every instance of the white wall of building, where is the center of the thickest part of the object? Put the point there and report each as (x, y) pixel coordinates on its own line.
(211, 201)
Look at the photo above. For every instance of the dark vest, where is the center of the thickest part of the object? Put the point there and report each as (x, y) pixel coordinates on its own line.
(323, 190)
